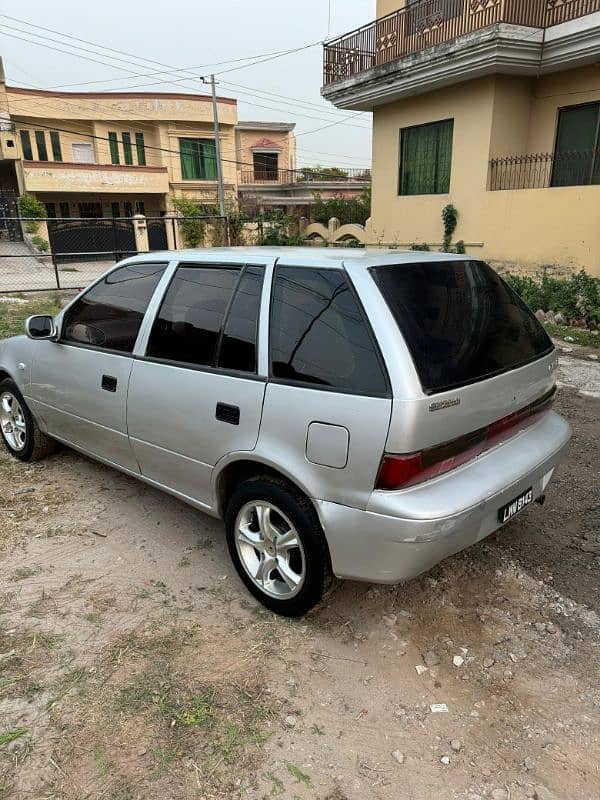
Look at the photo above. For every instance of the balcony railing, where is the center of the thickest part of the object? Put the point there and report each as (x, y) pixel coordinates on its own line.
(306, 175)
(429, 23)
(544, 170)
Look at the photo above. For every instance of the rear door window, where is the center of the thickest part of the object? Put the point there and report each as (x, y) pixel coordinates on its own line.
(110, 314)
(461, 322)
(319, 335)
(190, 320)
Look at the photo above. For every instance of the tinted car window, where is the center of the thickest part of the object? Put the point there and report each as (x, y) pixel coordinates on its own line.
(319, 334)
(461, 322)
(111, 313)
(191, 316)
(238, 345)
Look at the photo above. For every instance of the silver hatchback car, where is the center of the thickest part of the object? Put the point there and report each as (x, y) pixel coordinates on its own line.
(346, 412)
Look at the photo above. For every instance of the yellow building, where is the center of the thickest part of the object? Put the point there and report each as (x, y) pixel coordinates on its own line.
(490, 105)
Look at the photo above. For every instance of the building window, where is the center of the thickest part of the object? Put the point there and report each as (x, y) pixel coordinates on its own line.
(55, 144)
(198, 159)
(50, 210)
(577, 152)
(115, 209)
(113, 144)
(266, 166)
(40, 143)
(26, 146)
(127, 209)
(425, 158)
(83, 153)
(140, 149)
(127, 151)
(140, 207)
(65, 210)
(90, 210)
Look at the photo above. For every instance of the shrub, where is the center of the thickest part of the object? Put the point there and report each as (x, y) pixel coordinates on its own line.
(423, 247)
(577, 297)
(277, 229)
(449, 218)
(193, 228)
(30, 206)
(41, 244)
(349, 210)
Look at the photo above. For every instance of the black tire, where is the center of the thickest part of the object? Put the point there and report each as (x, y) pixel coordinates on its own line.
(37, 444)
(302, 515)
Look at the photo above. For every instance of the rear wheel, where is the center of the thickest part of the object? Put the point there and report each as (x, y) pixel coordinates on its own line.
(20, 432)
(277, 545)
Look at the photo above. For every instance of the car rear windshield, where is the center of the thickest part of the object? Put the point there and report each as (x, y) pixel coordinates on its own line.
(461, 322)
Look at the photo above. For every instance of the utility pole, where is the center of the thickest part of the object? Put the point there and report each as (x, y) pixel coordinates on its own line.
(217, 146)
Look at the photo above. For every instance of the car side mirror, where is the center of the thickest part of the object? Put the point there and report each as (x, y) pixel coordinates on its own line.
(40, 327)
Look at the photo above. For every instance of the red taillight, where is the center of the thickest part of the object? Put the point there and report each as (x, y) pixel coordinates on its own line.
(398, 471)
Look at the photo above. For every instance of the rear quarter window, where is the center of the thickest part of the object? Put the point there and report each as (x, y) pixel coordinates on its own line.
(461, 322)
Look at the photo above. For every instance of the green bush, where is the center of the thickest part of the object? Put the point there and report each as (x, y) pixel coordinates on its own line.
(193, 229)
(421, 248)
(577, 297)
(41, 244)
(279, 230)
(30, 206)
(349, 210)
(449, 219)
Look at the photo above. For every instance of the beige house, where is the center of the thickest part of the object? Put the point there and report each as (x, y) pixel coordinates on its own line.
(491, 105)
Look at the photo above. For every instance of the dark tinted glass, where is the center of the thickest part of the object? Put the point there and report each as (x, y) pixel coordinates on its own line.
(110, 314)
(319, 334)
(460, 321)
(190, 319)
(238, 345)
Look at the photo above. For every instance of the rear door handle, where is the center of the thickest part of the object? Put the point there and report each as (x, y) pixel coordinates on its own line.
(226, 413)
(109, 383)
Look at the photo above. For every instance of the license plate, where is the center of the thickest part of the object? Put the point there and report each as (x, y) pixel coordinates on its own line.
(518, 504)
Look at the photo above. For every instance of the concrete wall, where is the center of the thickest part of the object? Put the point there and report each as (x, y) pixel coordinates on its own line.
(387, 6)
(247, 140)
(495, 116)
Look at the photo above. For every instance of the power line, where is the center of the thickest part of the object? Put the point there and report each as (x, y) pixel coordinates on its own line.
(331, 125)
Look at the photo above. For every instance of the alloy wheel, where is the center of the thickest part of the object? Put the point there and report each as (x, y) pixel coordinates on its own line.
(12, 421)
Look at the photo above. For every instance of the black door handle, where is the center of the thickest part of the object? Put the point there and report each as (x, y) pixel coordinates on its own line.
(230, 414)
(109, 383)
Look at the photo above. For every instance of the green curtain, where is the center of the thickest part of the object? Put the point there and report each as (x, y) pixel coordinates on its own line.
(198, 159)
(426, 159)
(114, 147)
(576, 160)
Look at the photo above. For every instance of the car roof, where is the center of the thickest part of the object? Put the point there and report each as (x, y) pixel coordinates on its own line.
(306, 256)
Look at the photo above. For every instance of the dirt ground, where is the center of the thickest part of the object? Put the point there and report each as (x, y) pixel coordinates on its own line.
(133, 663)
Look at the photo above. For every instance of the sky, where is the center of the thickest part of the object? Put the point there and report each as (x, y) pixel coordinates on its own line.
(197, 33)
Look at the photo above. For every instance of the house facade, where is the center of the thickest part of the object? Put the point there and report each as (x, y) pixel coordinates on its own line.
(492, 106)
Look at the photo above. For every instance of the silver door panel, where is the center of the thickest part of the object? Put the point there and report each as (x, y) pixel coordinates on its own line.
(188, 476)
(174, 409)
(66, 385)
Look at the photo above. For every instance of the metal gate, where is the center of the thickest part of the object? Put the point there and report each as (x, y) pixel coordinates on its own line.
(10, 227)
(157, 234)
(91, 239)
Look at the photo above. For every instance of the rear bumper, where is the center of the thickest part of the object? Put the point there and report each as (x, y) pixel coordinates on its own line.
(404, 533)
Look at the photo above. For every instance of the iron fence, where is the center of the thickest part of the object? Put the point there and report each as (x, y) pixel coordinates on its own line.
(305, 175)
(71, 252)
(428, 23)
(544, 170)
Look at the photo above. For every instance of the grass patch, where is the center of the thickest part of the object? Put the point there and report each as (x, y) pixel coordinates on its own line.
(101, 760)
(22, 573)
(11, 736)
(14, 311)
(301, 777)
(579, 335)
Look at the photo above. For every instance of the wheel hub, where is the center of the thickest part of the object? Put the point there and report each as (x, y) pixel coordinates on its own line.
(12, 421)
(270, 549)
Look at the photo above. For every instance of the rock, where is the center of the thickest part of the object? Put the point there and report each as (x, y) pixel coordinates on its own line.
(550, 317)
(142, 752)
(458, 661)
(389, 620)
(398, 756)
(431, 659)
(499, 794)
(551, 628)
(593, 356)
(540, 627)
(290, 721)
(438, 708)
(528, 764)
(560, 319)
(566, 349)
(540, 315)
(569, 339)
(420, 669)
(456, 745)
(488, 663)
(445, 760)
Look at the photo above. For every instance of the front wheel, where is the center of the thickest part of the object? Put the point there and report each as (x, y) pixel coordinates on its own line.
(20, 432)
(277, 545)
